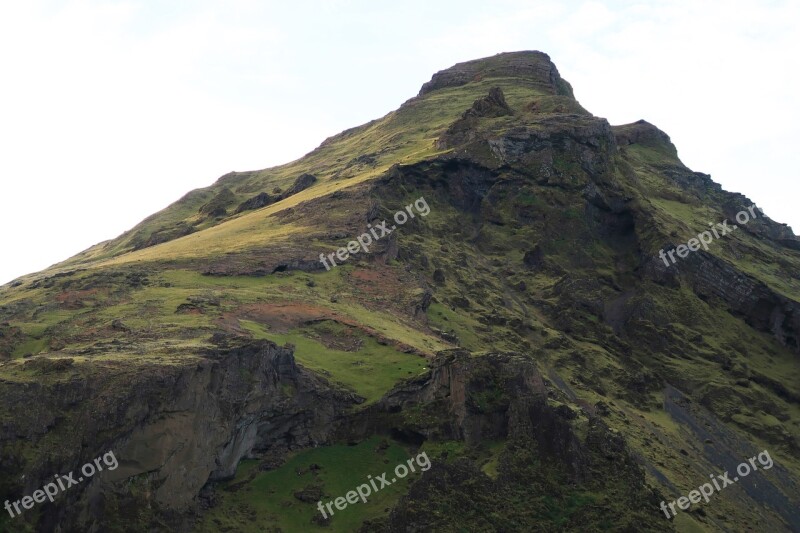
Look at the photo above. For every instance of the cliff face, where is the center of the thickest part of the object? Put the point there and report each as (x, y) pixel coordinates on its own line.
(524, 332)
(175, 428)
(501, 397)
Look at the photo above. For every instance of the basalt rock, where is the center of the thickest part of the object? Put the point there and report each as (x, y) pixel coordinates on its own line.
(760, 306)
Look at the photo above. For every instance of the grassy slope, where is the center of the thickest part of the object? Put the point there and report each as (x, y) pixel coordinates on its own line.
(405, 136)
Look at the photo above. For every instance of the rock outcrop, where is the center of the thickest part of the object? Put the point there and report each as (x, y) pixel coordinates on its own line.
(533, 66)
(172, 428)
(303, 182)
(256, 202)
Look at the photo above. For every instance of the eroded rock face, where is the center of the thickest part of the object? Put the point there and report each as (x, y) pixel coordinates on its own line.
(492, 105)
(463, 130)
(588, 140)
(175, 429)
(485, 399)
(643, 133)
(476, 398)
(760, 306)
(465, 182)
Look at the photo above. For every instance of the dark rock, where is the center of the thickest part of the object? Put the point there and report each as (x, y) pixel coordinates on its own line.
(118, 325)
(464, 129)
(602, 409)
(323, 521)
(45, 365)
(760, 306)
(449, 337)
(533, 258)
(303, 182)
(256, 202)
(460, 302)
(310, 494)
(218, 206)
(365, 160)
(645, 134)
(492, 105)
(181, 229)
(421, 306)
(234, 401)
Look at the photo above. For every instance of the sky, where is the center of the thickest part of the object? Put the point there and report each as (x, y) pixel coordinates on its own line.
(112, 110)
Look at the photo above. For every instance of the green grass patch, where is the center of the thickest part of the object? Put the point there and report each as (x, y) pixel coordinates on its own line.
(259, 501)
(442, 317)
(370, 371)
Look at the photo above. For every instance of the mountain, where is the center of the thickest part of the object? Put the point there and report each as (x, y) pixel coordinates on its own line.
(565, 322)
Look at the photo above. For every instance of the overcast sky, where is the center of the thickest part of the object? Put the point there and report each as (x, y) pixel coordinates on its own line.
(111, 110)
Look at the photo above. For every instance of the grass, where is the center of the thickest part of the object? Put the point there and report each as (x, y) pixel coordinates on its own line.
(490, 465)
(370, 371)
(38, 330)
(265, 500)
(30, 346)
(404, 136)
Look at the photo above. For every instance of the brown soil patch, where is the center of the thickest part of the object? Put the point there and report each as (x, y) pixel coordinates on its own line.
(282, 317)
(346, 340)
(75, 299)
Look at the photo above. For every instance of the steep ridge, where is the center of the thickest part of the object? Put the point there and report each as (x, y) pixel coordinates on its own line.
(521, 327)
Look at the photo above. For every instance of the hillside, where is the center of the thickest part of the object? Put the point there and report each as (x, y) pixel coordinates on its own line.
(521, 328)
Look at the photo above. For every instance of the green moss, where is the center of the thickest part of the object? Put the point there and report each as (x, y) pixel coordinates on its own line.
(460, 324)
(492, 461)
(370, 371)
(30, 347)
(447, 450)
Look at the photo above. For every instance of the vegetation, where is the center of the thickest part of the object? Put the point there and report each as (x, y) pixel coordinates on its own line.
(541, 246)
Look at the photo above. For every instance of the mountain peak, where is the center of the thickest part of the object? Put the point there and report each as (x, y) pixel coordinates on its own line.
(529, 65)
(556, 304)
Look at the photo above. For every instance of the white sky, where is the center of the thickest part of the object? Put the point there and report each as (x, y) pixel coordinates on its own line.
(111, 110)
